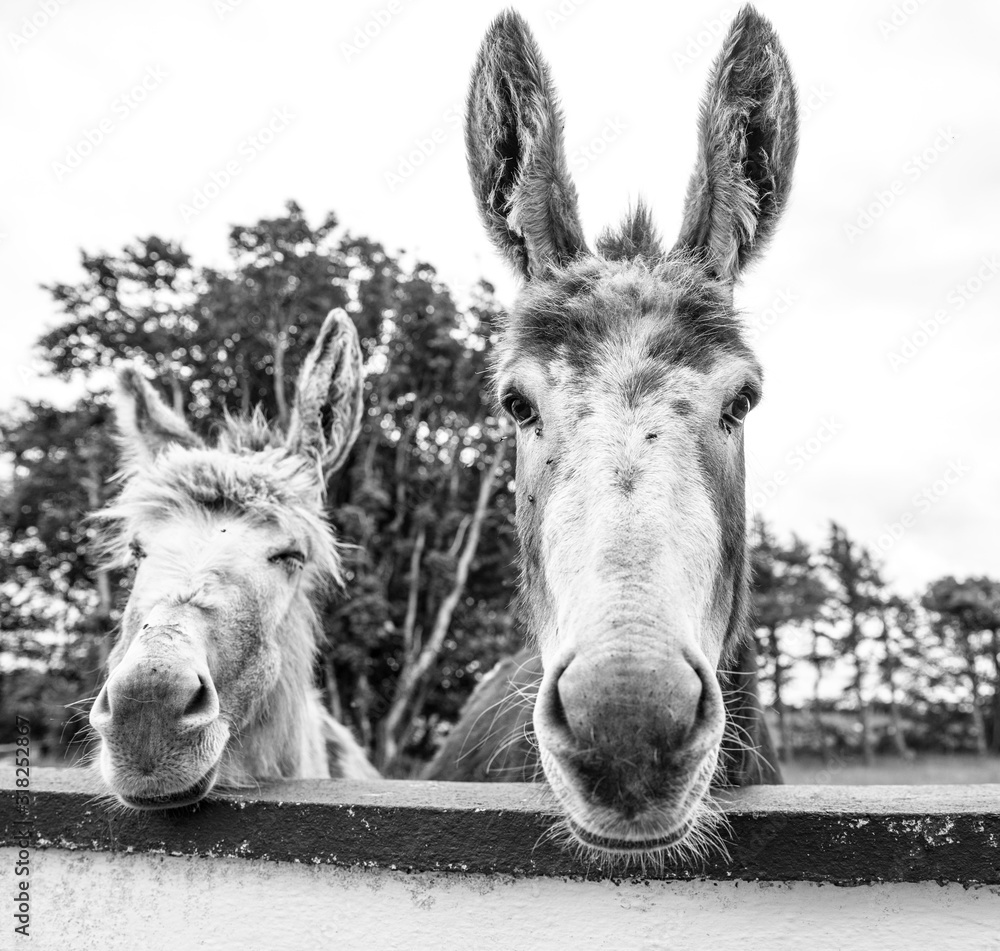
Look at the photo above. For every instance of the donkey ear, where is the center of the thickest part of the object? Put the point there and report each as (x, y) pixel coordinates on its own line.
(329, 398)
(517, 161)
(748, 137)
(146, 424)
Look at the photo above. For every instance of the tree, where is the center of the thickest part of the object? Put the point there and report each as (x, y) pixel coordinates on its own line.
(858, 595)
(216, 340)
(787, 592)
(821, 656)
(128, 306)
(434, 527)
(421, 658)
(424, 504)
(55, 607)
(966, 618)
(898, 639)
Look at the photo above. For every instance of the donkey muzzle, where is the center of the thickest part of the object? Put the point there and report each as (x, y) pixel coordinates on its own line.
(628, 731)
(158, 717)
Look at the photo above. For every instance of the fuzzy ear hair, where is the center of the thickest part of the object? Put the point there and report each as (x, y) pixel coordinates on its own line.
(517, 160)
(329, 397)
(146, 424)
(748, 137)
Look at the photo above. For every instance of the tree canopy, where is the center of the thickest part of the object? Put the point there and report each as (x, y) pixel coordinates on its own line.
(425, 505)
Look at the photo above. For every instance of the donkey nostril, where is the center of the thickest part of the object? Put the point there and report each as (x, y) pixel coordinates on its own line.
(200, 702)
(704, 713)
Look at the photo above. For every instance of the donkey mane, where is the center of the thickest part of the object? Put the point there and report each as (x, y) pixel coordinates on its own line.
(275, 487)
(253, 433)
(635, 238)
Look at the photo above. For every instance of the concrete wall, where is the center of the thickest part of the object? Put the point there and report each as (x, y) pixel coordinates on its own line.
(384, 865)
(106, 902)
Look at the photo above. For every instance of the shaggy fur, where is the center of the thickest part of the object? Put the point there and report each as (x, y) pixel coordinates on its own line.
(748, 140)
(620, 367)
(326, 418)
(214, 600)
(514, 141)
(493, 740)
(574, 310)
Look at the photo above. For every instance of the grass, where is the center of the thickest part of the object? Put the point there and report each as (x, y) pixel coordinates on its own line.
(927, 769)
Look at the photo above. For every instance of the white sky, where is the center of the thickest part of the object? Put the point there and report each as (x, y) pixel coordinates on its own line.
(632, 72)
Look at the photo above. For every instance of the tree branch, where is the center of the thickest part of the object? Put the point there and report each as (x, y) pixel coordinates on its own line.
(413, 675)
(414, 592)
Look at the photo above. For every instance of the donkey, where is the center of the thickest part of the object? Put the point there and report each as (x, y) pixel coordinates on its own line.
(628, 380)
(210, 681)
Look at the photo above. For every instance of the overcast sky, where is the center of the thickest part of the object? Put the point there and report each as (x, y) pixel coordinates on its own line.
(875, 312)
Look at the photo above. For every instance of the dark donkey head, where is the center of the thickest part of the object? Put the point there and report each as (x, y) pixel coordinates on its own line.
(628, 379)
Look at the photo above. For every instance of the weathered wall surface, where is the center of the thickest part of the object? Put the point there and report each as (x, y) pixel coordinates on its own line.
(108, 901)
(837, 835)
(385, 865)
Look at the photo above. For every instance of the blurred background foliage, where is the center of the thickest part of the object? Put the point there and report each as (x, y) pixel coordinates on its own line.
(425, 503)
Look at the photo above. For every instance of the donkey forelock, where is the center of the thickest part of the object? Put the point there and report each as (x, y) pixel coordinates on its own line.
(248, 474)
(574, 309)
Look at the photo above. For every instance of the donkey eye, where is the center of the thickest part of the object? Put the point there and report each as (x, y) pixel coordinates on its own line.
(735, 412)
(739, 407)
(520, 410)
(292, 558)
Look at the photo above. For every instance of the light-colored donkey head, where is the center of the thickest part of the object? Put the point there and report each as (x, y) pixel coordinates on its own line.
(211, 678)
(628, 379)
